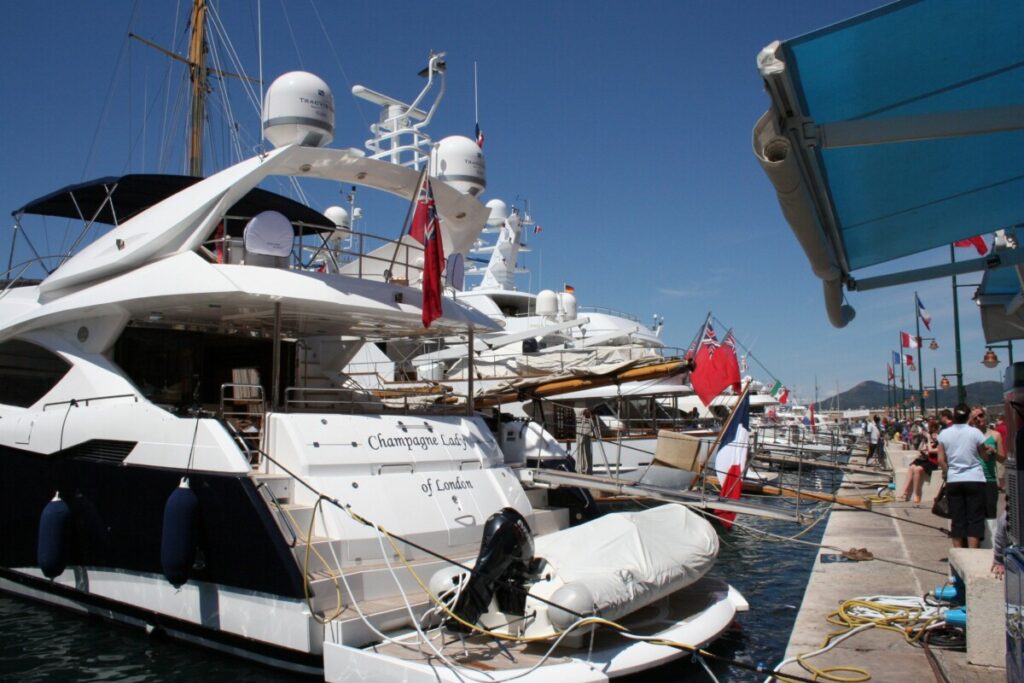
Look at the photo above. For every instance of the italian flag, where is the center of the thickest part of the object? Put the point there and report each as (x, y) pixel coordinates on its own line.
(779, 392)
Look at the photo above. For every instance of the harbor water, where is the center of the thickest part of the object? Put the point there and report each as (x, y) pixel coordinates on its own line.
(39, 643)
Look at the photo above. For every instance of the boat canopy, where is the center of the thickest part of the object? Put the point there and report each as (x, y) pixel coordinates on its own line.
(113, 200)
(896, 132)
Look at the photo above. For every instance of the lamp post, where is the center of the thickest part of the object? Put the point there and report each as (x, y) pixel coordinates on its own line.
(944, 382)
(933, 345)
(935, 391)
(961, 390)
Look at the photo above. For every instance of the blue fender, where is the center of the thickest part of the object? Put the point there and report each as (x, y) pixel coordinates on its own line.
(179, 534)
(54, 538)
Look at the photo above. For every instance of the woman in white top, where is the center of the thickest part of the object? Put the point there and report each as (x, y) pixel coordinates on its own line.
(960, 447)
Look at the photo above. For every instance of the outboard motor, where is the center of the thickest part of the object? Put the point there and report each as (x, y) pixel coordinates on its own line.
(502, 570)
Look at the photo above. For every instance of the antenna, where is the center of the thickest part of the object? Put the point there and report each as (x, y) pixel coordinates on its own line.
(395, 137)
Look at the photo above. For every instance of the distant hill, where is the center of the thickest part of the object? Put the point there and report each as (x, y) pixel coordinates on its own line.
(875, 396)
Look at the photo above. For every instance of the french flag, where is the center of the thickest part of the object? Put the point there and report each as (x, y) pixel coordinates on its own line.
(479, 137)
(926, 317)
(731, 458)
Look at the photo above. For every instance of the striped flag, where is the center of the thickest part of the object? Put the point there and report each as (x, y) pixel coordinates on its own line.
(892, 375)
(925, 316)
(909, 341)
(779, 392)
(895, 359)
(731, 458)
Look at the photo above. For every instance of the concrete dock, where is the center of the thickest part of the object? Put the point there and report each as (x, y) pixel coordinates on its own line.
(911, 557)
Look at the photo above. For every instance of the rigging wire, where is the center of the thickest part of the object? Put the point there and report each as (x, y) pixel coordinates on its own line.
(291, 32)
(110, 92)
(337, 61)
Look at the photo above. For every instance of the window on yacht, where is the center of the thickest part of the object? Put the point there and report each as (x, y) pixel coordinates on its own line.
(28, 372)
(175, 367)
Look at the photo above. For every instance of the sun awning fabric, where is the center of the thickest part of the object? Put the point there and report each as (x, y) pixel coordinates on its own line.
(1001, 304)
(896, 132)
(132, 194)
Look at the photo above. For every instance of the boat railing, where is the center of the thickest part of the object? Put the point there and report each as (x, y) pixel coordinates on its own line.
(89, 400)
(646, 427)
(15, 275)
(390, 401)
(349, 252)
(243, 407)
(609, 311)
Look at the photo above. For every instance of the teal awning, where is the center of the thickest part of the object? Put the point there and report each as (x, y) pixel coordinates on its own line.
(896, 132)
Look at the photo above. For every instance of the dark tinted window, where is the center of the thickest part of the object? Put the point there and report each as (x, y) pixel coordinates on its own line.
(27, 372)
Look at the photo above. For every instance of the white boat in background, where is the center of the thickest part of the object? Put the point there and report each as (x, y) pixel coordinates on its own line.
(181, 455)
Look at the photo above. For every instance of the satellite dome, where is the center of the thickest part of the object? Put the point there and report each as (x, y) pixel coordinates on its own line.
(298, 109)
(567, 305)
(547, 303)
(340, 218)
(459, 162)
(499, 212)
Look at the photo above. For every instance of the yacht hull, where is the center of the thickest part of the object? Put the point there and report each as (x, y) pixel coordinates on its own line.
(201, 624)
(117, 517)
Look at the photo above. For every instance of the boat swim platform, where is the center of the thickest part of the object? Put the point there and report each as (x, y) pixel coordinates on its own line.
(909, 560)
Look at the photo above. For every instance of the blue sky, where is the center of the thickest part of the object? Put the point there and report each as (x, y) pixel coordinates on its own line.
(627, 126)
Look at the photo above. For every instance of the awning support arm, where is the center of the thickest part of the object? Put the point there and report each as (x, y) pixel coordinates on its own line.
(993, 261)
(920, 127)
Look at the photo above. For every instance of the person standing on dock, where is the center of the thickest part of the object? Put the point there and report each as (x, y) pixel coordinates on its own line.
(874, 441)
(994, 441)
(584, 436)
(961, 448)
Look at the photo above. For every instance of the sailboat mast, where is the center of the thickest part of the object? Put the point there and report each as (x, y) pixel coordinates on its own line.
(197, 69)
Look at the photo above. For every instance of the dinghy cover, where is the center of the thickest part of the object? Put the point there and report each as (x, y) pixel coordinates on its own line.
(627, 560)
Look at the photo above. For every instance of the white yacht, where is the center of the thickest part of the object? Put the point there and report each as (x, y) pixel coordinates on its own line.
(177, 456)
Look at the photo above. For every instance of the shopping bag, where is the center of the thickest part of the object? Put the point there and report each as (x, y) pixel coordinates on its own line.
(941, 505)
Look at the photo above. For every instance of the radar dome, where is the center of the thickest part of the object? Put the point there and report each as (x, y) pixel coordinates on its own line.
(298, 109)
(499, 212)
(567, 305)
(459, 162)
(547, 303)
(340, 218)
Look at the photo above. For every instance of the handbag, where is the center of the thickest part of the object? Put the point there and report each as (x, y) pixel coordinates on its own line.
(940, 507)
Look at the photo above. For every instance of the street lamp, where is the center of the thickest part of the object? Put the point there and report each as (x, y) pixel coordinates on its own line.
(991, 360)
(960, 387)
(933, 345)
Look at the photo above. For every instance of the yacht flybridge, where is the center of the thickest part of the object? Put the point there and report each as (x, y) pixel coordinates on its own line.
(180, 454)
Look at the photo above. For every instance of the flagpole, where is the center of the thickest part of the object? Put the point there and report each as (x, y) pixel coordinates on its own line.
(700, 331)
(476, 100)
(725, 427)
(920, 376)
(888, 387)
(961, 392)
(406, 224)
(903, 379)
